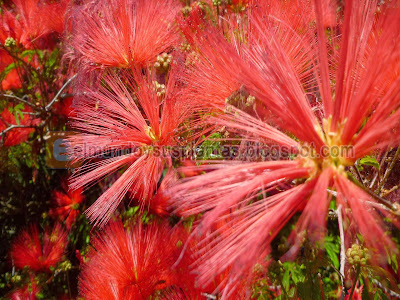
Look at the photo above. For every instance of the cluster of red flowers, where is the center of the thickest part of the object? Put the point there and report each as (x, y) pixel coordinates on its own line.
(319, 79)
(27, 23)
(28, 28)
(284, 62)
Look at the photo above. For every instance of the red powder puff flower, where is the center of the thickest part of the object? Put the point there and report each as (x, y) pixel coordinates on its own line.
(210, 77)
(358, 89)
(29, 24)
(134, 262)
(66, 205)
(17, 135)
(39, 254)
(132, 118)
(291, 11)
(121, 33)
(26, 293)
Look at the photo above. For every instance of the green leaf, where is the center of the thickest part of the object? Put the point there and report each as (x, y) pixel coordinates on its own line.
(379, 295)
(285, 280)
(291, 292)
(53, 58)
(40, 295)
(394, 263)
(332, 248)
(298, 274)
(17, 112)
(332, 205)
(369, 161)
(29, 53)
(210, 148)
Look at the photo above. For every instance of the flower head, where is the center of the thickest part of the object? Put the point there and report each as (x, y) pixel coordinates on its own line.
(29, 24)
(357, 89)
(66, 205)
(39, 254)
(123, 33)
(131, 118)
(135, 262)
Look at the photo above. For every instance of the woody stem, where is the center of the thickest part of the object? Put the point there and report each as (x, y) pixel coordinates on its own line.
(378, 198)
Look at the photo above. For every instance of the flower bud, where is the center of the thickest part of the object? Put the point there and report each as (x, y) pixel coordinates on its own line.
(10, 43)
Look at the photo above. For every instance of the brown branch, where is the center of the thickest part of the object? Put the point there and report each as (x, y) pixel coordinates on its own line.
(395, 208)
(321, 286)
(388, 171)
(15, 98)
(9, 128)
(48, 106)
(385, 289)
(15, 126)
(355, 170)
(66, 95)
(387, 192)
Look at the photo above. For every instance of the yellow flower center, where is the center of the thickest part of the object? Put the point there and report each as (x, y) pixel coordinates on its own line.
(333, 154)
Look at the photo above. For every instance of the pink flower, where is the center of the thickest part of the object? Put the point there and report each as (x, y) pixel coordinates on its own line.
(134, 262)
(129, 117)
(121, 33)
(358, 90)
(29, 24)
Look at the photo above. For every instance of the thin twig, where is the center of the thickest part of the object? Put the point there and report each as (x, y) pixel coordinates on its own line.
(13, 97)
(321, 286)
(387, 192)
(19, 59)
(395, 208)
(385, 289)
(374, 179)
(342, 247)
(382, 163)
(69, 287)
(208, 296)
(13, 127)
(31, 113)
(336, 270)
(379, 206)
(66, 95)
(48, 106)
(355, 169)
(388, 171)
